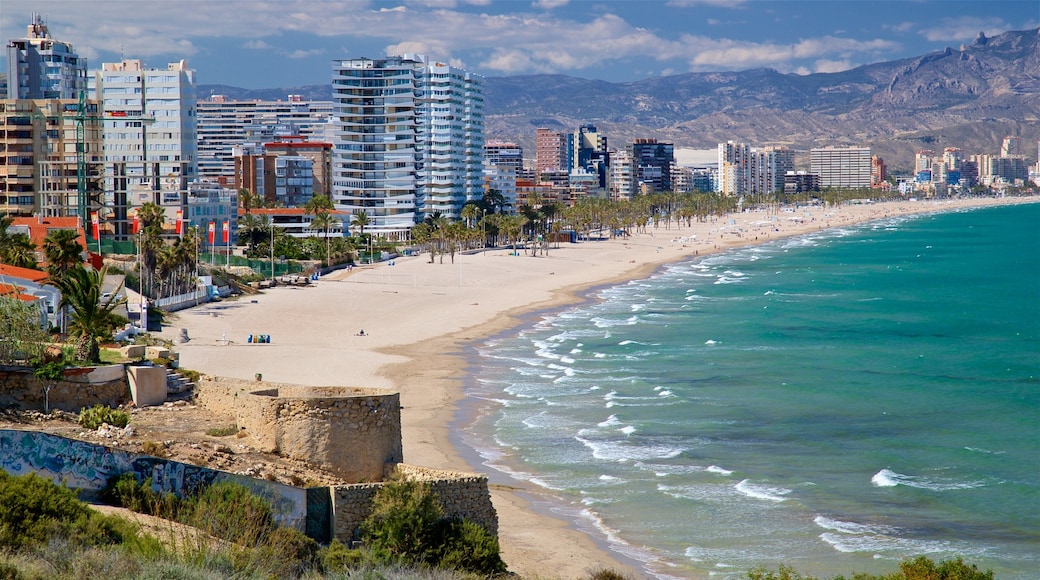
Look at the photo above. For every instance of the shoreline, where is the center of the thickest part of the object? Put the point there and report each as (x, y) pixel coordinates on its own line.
(424, 338)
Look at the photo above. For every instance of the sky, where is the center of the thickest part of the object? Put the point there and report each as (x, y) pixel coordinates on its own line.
(285, 43)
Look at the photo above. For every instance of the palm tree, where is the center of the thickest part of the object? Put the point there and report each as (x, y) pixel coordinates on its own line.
(151, 218)
(361, 220)
(15, 249)
(63, 251)
(324, 221)
(91, 317)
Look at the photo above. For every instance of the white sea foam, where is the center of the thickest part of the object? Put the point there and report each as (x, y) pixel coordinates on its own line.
(984, 451)
(627, 429)
(889, 478)
(710, 342)
(718, 470)
(610, 422)
(759, 491)
(622, 451)
(852, 527)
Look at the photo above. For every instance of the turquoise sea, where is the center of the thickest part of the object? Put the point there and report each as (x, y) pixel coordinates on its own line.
(837, 401)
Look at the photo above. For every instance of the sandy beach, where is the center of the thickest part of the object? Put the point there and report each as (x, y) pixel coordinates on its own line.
(419, 318)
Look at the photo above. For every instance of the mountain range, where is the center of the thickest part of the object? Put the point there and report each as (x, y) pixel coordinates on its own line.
(969, 97)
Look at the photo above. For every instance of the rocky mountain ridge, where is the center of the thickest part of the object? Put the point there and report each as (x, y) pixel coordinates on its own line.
(969, 97)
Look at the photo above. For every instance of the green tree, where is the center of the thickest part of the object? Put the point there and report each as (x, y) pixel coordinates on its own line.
(91, 317)
(15, 249)
(21, 335)
(63, 251)
(361, 220)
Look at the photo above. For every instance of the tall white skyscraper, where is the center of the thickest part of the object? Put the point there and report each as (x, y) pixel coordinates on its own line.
(848, 167)
(39, 67)
(408, 142)
(150, 137)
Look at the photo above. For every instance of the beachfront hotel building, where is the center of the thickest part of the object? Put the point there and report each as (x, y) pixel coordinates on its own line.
(150, 138)
(848, 167)
(224, 124)
(408, 140)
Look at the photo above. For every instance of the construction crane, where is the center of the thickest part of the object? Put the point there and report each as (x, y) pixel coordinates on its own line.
(82, 201)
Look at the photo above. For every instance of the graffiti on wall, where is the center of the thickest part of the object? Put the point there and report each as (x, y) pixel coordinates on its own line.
(77, 464)
(85, 466)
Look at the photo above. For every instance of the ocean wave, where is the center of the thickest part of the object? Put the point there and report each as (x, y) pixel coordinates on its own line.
(624, 451)
(984, 451)
(881, 543)
(889, 478)
(759, 491)
(852, 527)
(718, 470)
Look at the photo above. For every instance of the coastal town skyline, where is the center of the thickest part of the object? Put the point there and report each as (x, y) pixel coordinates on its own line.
(263, 44)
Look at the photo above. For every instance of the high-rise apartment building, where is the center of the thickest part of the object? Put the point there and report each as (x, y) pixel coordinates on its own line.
(651, 164)
(224, 124)
(150, 137)
(745, 170)
(621, 184)
(588, 153)
(41, 153)
(847, 167)
(39, 67)
(503, 165)
(409, 140)
(1011, 146)
(552, 155)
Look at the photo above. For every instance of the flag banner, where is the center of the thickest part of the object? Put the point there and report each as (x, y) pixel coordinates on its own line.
(180, 222)
(96, 223)
(137, 224)
(211, 233)
(226, 231)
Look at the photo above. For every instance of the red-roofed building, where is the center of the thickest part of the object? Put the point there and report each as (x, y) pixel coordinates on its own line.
(9, 273)
(39, 227)
(30, 286)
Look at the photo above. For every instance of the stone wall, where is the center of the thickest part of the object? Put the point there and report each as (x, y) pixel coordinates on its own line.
(352, 431)
(81, 387)
(461, 494)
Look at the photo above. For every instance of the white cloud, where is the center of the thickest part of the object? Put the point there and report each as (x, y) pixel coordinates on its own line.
(727, 54)
(549, 4)
(256, 45)
(964, 29)
(832, 66)
(299, 53)
(694, 3)
(901, 27)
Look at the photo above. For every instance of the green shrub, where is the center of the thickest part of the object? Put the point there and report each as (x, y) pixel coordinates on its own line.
(606, 574)
(465, 545)
(153, 448)
(224, 431)
(34, 511)
(229, 511)
(94, 417)
(399, 528)
(407, 526)
(337, 558)
(920, 568)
